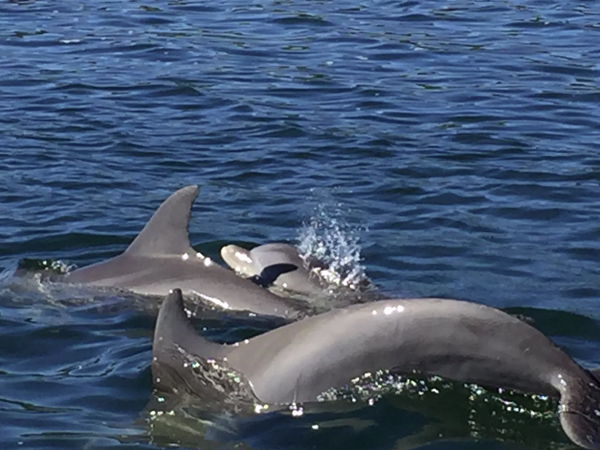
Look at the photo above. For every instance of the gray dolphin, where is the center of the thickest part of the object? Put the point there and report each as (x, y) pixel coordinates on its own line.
(281, 265)
(278, 264)
(161, 257)
(459, 340)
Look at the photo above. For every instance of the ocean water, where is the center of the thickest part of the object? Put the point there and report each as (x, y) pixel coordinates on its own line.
(445, 148)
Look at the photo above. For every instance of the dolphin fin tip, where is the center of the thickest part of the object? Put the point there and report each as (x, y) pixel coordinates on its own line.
(175, 294)
(167, 230)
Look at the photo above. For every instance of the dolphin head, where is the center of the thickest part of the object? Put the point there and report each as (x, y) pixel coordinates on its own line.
(262, 267)
(240, 260)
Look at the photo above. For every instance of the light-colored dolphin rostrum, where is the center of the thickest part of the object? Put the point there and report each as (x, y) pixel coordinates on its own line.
(161, 257)
(278, 264)
(459, 340)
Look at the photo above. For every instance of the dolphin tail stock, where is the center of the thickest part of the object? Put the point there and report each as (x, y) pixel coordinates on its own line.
(270, 273)
(167, 231)
(579, 410)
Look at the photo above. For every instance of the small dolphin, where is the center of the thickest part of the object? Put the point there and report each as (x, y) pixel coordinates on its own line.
(278, 264)
(161, 257)
(459, 340)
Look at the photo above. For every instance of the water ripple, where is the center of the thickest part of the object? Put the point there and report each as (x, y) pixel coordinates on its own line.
(460, 138)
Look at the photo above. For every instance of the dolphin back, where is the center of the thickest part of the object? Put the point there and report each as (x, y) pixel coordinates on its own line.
(579, 411)
(458, 340)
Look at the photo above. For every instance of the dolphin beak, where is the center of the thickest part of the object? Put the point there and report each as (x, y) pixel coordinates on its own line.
(237, 258)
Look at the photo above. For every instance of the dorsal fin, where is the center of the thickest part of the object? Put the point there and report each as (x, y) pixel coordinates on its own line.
(167, 231)
(174, 328)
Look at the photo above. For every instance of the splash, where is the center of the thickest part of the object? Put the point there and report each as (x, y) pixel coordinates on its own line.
(37, 287)
(44, 265)
(328, 237)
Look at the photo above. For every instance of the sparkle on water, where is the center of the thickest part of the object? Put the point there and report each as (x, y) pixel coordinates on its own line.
(328, 237)
(463, 135)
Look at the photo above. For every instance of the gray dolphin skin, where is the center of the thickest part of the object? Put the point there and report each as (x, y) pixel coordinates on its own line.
(255, 262)
(161, 257)
(459, 340)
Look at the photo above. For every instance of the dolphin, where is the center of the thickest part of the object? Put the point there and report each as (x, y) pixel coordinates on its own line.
(281, 265)
(161, 257)
(459, 340)
(278, 264)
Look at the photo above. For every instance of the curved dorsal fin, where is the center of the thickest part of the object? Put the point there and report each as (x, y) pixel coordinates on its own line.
(174, 328)
(167, 231)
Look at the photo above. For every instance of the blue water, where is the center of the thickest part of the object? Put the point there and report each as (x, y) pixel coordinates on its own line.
(455, 142)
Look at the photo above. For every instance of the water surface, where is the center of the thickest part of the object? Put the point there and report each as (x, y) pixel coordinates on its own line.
(456, 140)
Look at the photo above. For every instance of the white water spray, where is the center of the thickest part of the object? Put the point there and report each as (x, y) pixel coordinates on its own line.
(328, 237)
